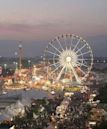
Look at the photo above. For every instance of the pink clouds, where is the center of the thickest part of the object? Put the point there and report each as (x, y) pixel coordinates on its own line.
(33, 19)
(47, 30)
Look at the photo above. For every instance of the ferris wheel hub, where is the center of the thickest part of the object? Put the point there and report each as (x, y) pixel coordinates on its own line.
(68, 59)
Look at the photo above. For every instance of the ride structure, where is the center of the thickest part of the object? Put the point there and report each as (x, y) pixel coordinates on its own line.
(68, 56)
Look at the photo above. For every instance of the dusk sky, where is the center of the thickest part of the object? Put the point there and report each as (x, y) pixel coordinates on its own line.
(36, 22)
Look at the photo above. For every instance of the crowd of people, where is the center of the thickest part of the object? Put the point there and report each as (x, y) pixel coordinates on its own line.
(38, 115)
(46, 114)
(42, 113)
(76, 115)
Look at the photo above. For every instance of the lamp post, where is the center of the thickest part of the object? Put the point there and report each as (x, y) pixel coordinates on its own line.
(15, 73)
(5, 66)
(16, 65)
(15, 54)
(20, 56)
(104, 61)
(29, 63)
(15, 62)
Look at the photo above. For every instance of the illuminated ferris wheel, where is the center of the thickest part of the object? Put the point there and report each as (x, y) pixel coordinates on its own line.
(69, 55)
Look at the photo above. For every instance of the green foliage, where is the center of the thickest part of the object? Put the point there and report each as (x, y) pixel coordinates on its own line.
(103, 94)
(37, 116)
(103, 125)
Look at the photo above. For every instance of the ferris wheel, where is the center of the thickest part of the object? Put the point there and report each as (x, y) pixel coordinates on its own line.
(69, 54)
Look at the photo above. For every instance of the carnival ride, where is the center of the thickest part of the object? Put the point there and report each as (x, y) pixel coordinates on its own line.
(68, 56)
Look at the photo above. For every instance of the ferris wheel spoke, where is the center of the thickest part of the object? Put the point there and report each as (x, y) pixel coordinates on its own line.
(56, 59)
(54, 47)
(52, 58)
(52, 53)
(83, 59)
(84, 53)
(71, 42)
(86, 61)
(54, 64)
(81, 48)
(59, 76)
(82, 71)
(56, 69)
(82, 64)
(65, 42)
(59, 43)
(76, 45)
(75, 74)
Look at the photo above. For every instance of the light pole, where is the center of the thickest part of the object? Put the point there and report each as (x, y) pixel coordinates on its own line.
(15, 73)
(16, 65)
(5, 66)
(20, 56)
(29, 63)
(15, 54)
(15, 62)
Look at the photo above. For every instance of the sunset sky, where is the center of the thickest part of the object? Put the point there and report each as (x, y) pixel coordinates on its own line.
(36, 22)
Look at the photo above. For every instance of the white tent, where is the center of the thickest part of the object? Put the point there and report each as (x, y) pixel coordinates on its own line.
(13, 127)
